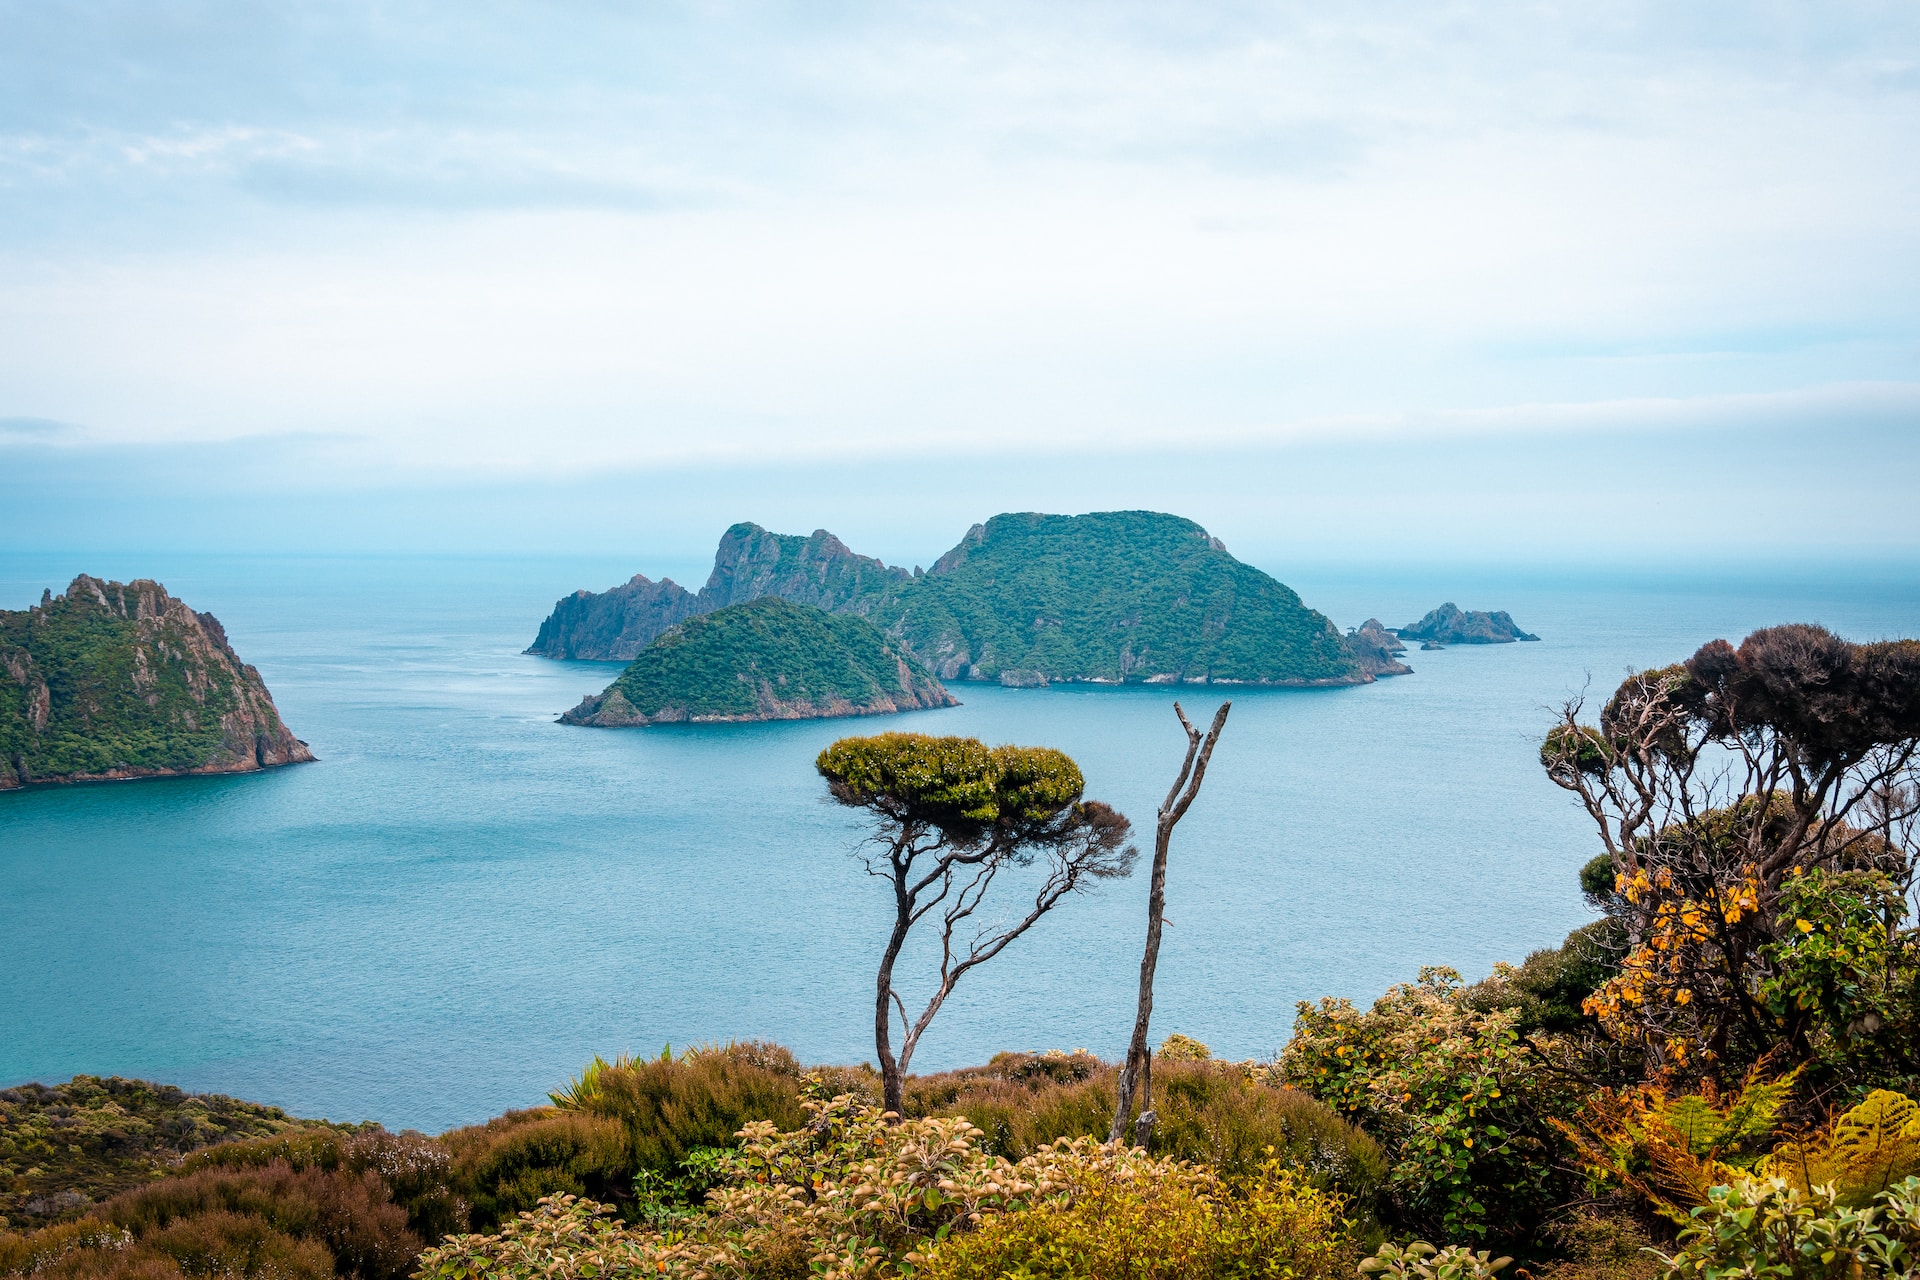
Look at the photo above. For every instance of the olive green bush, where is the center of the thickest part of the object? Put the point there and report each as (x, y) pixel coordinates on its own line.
(1167, 1219)
(1209, 1112)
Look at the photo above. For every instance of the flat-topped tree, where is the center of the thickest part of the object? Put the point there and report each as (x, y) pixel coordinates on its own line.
(951, 815)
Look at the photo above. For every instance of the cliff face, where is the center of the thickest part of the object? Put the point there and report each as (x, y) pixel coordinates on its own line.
(116, 680)
(614, 625)
(750, 562)
(767, 659)
(1450, 624)
(1116, 597)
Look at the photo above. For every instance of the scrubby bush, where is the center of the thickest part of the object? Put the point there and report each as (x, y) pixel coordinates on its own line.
(670, 1106)
(512, 1162)
(1209, 1112)
(269, 1221)
(851, 1195)
(1462, 1104)
(1166, 1219)
(417, 1170)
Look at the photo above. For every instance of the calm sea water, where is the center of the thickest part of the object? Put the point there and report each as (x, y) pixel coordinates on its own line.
(463, 901)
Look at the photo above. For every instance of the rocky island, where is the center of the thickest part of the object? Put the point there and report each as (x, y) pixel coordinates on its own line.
(768, 659)
(1025, 599)
(120, 680)
(1450, 624)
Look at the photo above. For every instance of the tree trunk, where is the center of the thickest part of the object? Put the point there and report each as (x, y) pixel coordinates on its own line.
(892, 1070)
(1192, 771)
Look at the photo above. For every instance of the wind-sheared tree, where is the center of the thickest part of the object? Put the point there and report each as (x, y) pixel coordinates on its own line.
(951, 815)
(1757, 807)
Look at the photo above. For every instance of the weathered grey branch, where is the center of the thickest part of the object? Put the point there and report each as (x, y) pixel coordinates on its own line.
(1193, 770)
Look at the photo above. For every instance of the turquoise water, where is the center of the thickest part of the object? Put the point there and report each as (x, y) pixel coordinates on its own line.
(463, 901)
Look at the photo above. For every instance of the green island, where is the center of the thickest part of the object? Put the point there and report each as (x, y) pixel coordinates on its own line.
(1024, 599)
(120, 680)
(1718, 1077)
(768, 659)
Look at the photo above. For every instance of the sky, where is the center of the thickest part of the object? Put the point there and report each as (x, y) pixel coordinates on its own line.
(1373, 281)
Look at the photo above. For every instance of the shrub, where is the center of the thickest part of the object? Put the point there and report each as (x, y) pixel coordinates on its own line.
(269, 1221)
(850, 1196)
(512, 1162)
(1421, 1261)
(1210, 1112)
(417, 1170)
(1461, 1103)
(1767, 1228)
(702, 1099)
(1179, 1048)
(90, 1138)
(1165, 1219)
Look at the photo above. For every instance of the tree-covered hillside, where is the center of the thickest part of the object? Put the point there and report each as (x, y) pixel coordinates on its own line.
(1116, 595)
(117, 680)
(769, 659)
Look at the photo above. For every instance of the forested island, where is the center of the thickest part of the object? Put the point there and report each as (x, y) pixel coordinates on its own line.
(1024, 599)
(768, 659)
(120, 680)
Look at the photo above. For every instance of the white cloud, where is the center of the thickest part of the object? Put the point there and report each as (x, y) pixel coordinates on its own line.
(567, 237)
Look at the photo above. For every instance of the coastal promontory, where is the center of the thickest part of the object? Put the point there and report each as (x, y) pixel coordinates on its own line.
(767, 659)
(120, 680)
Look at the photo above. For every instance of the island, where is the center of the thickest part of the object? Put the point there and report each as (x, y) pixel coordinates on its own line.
(1450, 624)
(1025, 599)
(120, 680)
(1378, 649)
(767, 659)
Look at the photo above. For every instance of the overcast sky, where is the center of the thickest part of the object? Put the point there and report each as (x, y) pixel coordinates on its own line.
(486, 242)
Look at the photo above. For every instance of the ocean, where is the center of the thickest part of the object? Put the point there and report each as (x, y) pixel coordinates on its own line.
(462, 902)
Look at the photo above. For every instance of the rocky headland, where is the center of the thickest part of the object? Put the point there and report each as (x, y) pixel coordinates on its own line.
(1450, 624)
(750, 562)
(120, 680)
(1025, 600)
(1378, 649)
(767, 659)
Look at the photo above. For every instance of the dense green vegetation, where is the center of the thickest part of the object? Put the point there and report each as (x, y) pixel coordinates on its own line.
(113, 680)
(1025, 598)
(767, 659)
(66, 1146)
(1116, 595)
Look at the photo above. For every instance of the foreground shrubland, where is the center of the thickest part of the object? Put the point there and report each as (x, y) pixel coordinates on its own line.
(1716, 1078)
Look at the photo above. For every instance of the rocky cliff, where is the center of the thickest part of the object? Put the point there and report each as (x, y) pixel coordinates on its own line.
(1450, 624)
(767, 659)
(750, 562)
(120, 680)
(1378, 649)
(1026, 599)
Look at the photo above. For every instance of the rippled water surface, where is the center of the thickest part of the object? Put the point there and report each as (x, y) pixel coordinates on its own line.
(463, 901)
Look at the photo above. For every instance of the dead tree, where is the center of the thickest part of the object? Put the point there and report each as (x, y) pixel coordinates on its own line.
(1185, 787)
(953, 814)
